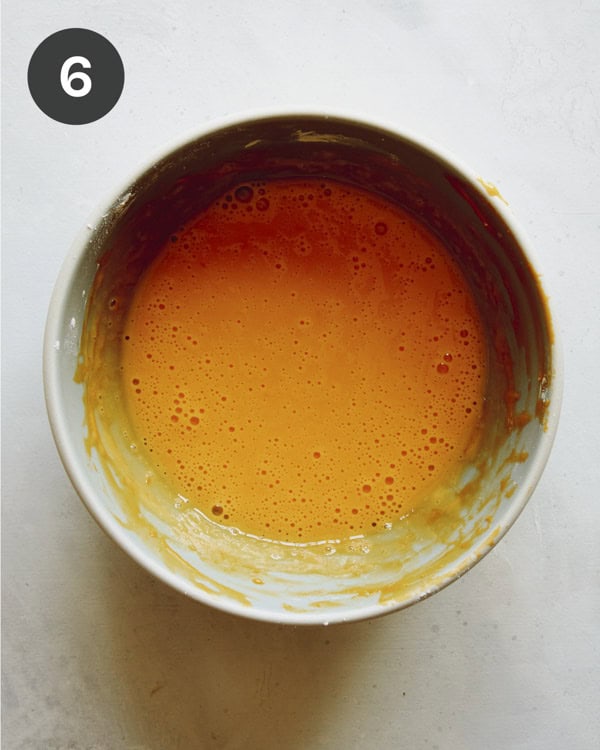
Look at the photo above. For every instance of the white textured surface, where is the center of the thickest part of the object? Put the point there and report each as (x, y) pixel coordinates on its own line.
(99, 656)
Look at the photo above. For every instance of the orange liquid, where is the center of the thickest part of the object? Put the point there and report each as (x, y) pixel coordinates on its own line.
(304, 361)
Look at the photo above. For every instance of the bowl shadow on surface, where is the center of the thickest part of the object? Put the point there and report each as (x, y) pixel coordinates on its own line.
(194, 677)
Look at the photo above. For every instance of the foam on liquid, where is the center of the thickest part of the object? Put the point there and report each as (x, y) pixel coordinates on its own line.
(304, 361)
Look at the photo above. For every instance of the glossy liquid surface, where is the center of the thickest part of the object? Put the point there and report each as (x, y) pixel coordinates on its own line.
(304, 361)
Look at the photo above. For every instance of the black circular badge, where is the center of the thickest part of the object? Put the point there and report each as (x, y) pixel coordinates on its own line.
(76, 76)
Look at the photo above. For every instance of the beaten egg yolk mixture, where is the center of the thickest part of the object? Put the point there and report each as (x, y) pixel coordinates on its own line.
(304, 361)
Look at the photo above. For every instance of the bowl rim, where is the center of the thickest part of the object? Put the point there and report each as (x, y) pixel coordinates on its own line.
(65, 440)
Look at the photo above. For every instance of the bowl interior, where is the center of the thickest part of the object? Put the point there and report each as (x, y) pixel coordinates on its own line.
(325, 582)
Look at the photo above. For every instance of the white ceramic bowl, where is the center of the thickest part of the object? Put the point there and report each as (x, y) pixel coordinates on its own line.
(358, 579)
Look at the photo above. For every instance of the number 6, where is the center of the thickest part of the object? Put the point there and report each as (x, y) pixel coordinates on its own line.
(66, 79)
